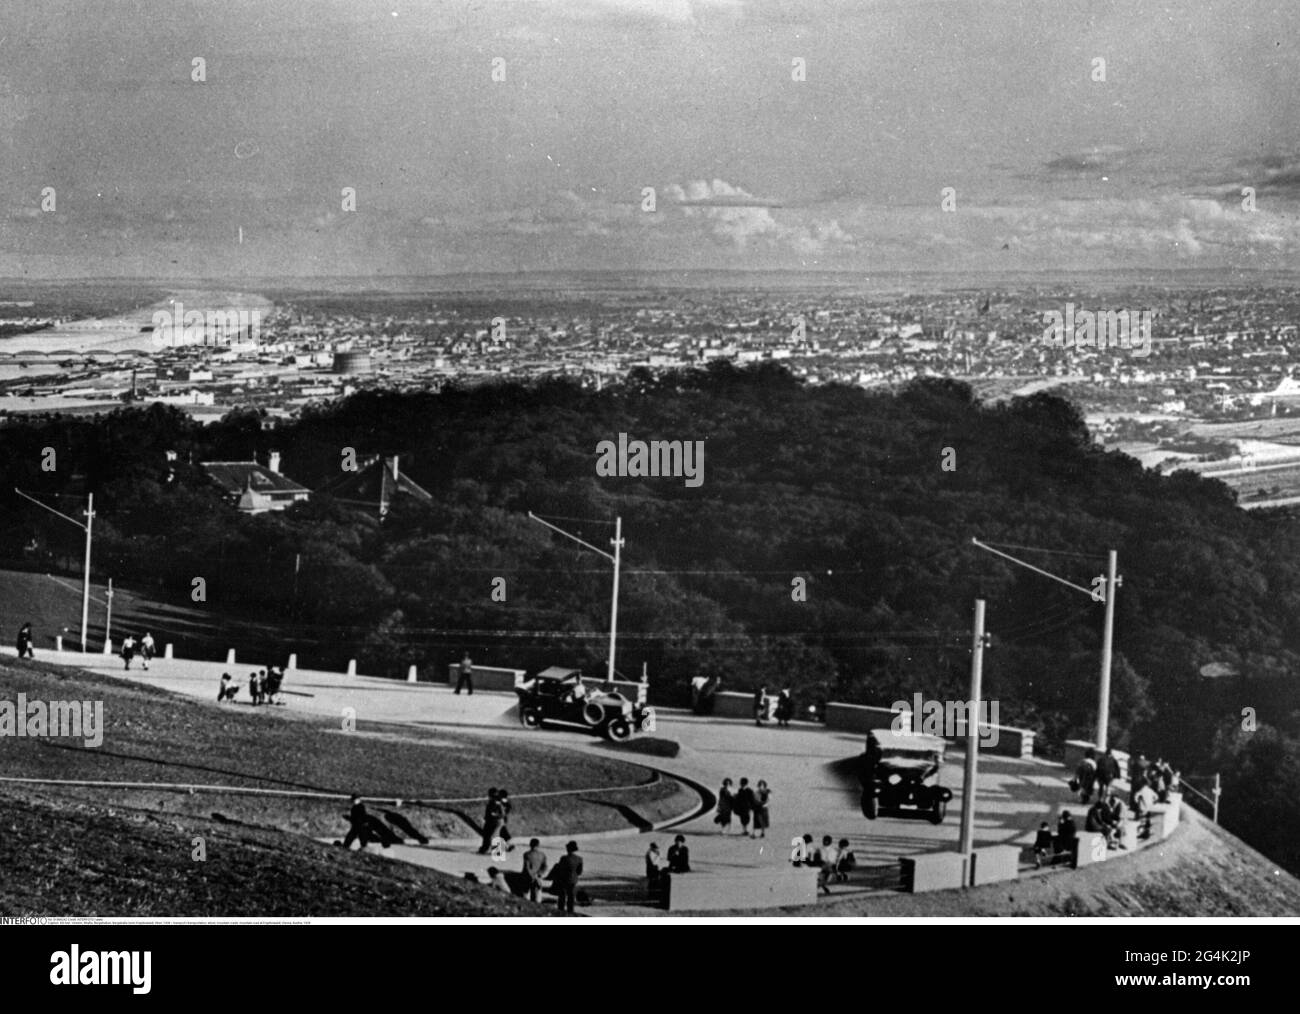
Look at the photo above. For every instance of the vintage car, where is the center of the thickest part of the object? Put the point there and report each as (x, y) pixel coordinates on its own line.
(901, 770)
(562, 696)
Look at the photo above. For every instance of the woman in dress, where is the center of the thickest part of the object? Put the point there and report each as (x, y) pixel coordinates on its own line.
(762, 819)
(725, 799)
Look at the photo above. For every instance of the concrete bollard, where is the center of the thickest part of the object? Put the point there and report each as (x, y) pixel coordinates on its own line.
(58, 642)
(411, 675)
(108, 646)
(352, 667)
(293, 662)
(167, 651)
(230, 657)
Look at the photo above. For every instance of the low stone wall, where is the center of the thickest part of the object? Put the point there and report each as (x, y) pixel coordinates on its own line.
(863, 718)
(488, 677)
(769, 888)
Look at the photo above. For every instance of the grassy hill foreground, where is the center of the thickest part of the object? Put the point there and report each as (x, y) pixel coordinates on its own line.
(75, 858)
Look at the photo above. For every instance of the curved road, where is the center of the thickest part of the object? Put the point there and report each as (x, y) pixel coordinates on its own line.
(810, 791)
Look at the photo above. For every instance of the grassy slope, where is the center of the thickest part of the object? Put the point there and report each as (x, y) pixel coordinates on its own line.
(65, 857)
(154, 736)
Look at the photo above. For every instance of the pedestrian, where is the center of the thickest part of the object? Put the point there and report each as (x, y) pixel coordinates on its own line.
(1115, 809)
(535, 867)
(466, 678)
(254, 691)
(806, 850)
(1099, 821)
(760, 705)
(654, 869)
(1066, 833)
(1042, 845)
(743, 804)
(847, 862)
(224, 691)
(1164, 779)
(1137, 767)
(25, 641)
(146, 648)
(272, 687)
(1107, 772)
(1143, 800)
(1085, 775)
(679, 856)
(359, 824)
(493, 815)
(698, 684)
(503, 799)
(128, 650)
(726, 801)
(828, 857)
(762, 818)
(784, 708)
(565, 876)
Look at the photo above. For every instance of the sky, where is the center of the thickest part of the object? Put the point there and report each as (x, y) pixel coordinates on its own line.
(157, 175)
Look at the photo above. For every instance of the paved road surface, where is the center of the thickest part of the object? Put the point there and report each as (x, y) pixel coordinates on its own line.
(810, 793)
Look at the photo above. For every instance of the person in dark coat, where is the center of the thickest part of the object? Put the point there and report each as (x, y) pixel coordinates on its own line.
(1066, 832)
(725, 800)
(24, 644)
(1107, 772)
(493, 816)
(503, 798)
(784, 708)
(679, 856)
(1042, 845)
(359, 824)
(128, 650)
(744, 804)
(762, 817)
(565, 876)
(1086, 775)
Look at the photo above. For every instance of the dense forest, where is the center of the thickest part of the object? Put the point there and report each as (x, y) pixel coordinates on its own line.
(828, 549)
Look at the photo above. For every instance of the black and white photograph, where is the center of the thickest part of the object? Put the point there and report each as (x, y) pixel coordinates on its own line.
(651, 462)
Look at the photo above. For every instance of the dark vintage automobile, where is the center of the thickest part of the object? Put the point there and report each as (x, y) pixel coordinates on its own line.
(901, 770)
(563, 697)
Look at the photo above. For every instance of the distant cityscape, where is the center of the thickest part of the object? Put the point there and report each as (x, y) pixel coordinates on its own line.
(1220, 357)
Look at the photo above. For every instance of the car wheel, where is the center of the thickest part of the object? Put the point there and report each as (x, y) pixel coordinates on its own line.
(618, 730)
(939, 812)
(593, 713)
(869, 805)
(531, 717)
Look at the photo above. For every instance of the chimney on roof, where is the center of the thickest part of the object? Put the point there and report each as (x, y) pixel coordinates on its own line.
(273, 462)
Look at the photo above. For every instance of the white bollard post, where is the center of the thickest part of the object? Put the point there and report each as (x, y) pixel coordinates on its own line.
(108, 646)
(410, 675)
(230, 657)
(58, 642)
(293, 662)
(352, 667)
(167, 652)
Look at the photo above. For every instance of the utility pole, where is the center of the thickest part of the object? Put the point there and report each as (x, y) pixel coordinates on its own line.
(613, 608)
(615, 558)
(1107, 642)
(1113, 581)
(108, 613)
(967, 840)
(85, 580)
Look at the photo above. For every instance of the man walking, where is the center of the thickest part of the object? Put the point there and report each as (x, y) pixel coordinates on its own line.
(466, 675)
(535, 867)
(146, 648)
(565, 876)
(358, 821)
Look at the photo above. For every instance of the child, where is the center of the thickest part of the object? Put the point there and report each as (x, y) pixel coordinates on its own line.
(254, 689)
(1043, 845)
(848, 861)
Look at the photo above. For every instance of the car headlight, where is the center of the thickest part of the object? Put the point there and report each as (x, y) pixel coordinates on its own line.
(894, 779)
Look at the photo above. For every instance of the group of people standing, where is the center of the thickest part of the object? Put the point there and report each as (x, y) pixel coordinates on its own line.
(745, 804)
(496, 817)
(564, 876)
(783, 711)
(143, 646)
(263, 686)
(1095, 774)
